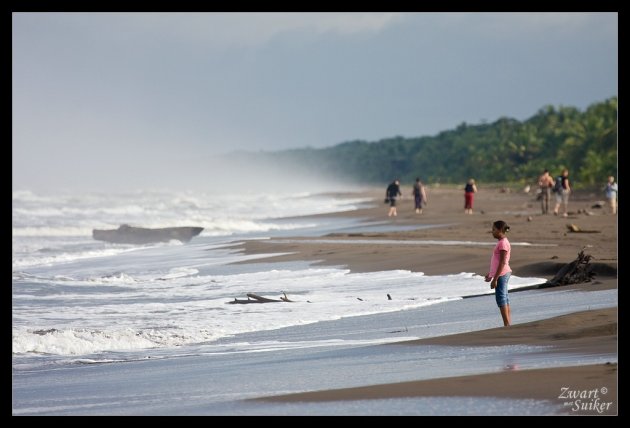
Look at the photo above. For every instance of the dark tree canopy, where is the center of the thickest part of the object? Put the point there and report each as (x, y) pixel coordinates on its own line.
(506, 151)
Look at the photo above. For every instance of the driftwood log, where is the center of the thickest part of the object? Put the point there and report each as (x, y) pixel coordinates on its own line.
(255, 298)
(574, 228)
(578, 271)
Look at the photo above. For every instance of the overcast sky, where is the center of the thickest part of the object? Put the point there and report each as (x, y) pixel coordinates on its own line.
(106, 97)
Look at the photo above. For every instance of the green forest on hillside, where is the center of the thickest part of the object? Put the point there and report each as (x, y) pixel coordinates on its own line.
(506, 151)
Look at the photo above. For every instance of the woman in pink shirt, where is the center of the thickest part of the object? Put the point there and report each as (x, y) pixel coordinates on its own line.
(500, 271)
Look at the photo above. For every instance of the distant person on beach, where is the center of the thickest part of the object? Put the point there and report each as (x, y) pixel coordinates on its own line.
(420, 195)
(469, 192)
(545, 182)
(391, 194)
(562, 189)
(500, 271)
(611, 194)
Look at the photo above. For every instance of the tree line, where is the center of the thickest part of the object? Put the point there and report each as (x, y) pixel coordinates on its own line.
(506, 151)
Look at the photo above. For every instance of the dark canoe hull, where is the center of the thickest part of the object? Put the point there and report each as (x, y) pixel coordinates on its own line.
(139, 235)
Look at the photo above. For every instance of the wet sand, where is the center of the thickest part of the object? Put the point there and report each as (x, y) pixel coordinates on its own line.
(595, 386)
(583, 332)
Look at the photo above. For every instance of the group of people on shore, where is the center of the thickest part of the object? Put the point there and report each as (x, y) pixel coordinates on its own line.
(562, 188)
(420, 196)
(499, 272)
(546, 183)
(393, 192)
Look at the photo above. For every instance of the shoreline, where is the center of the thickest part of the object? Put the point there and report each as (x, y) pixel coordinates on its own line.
(578, 332)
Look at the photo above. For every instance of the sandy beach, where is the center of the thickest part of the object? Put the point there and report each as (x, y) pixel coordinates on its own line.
(445, 209)
(552, 246)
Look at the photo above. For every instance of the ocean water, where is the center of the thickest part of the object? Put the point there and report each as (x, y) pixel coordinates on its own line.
(76, 299)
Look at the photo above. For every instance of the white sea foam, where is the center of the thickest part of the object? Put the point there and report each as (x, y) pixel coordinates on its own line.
(181, 307)
(69, 215)
(65, 257)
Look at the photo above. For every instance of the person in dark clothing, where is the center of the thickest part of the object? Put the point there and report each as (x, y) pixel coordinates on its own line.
(419, 195)
(562, 193)
(392, 193)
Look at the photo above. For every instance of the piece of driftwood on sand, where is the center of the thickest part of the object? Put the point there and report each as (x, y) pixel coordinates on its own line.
(578, 271)
(576, 229)
(255, 298)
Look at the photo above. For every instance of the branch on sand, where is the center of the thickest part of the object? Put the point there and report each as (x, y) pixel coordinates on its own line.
(578, 271)
(255, 298)
(574, 228)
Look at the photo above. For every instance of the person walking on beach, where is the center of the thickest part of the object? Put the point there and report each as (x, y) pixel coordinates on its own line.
(500, 271)
(611, 194)
(469, 192)
(545, 182)
(562, 189)
(420, 195)
(392, 193)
